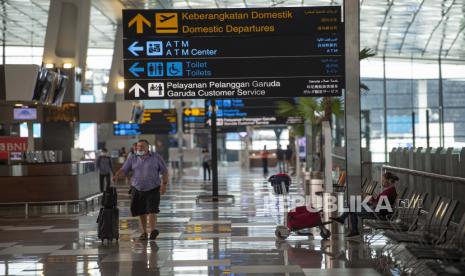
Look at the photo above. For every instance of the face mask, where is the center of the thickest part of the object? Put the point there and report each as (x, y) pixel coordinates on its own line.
(103, 154)
(140, 152)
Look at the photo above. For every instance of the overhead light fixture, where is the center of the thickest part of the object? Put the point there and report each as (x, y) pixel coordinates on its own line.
(121, 85)
(18, 105)
(115, 122)
(68, 65)
(49, 65)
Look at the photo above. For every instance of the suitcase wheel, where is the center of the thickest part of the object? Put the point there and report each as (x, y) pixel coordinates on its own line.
(324, 233)
(281, 232)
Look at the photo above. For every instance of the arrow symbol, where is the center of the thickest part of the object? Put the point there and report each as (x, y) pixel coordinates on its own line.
(187, 111)
(134, 69)
(139, 20)
(136, 88)
(134, 48)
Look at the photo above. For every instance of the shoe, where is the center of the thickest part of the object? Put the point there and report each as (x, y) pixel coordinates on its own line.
(154, 234)
(337, 219)
(143, 237)
(353, 235)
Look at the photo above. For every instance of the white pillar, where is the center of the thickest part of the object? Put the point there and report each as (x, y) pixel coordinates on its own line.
(352, 96)
(116, 70)
(67, 35)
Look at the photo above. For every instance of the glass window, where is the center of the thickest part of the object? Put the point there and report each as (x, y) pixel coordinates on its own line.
(267, 137)
(373, 98)
(412, 86)
(87, 136)
(24, 131)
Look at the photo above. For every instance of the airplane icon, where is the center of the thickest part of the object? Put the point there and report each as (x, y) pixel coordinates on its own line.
(164, 17)
(166, 22)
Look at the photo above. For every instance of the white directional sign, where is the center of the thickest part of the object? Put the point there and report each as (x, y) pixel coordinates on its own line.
(136, 88)
(135, 48)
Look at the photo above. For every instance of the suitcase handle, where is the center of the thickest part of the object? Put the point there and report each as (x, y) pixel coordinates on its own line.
(99, 217)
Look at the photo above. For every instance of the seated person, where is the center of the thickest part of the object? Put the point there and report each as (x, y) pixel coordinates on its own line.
(389, 193)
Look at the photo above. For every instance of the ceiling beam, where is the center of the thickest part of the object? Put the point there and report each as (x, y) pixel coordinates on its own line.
(25, 14)
(410, 25)
(386, 16)
(386, 41)
(112, 20)
(455, 39)
(163, 6)
(436, 27)
(110, 9)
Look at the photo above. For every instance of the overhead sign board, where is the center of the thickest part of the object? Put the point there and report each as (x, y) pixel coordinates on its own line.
(126, 129)
(159, 121)
(250, 112)
(233, 53)
(193, 118)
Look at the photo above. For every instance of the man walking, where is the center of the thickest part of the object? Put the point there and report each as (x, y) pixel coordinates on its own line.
(280, 156)
(288, 155)
(146, 186)
(105, 168)
(264, 156)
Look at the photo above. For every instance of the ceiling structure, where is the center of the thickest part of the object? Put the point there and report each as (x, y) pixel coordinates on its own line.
(393, 28)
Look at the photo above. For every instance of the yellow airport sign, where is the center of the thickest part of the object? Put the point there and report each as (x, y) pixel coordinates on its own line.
(139, 20)
(194, 111)
(166, 23)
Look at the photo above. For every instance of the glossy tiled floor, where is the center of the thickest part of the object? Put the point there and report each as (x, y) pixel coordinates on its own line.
(195, 239)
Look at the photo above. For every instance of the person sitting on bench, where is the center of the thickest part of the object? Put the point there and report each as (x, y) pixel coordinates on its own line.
(389, 192)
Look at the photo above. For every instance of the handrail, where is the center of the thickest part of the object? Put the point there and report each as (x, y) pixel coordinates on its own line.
(66, 202)
(427, 174)
(53, 201)
(340, 157)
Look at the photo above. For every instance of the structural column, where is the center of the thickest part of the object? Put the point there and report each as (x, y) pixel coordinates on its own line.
(116, 80)
(352, 96)
(66, 42)
(67, 35)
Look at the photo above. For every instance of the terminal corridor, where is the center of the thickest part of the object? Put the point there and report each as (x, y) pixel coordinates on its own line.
(195, 238)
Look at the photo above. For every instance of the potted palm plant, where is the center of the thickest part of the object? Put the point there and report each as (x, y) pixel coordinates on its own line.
(314, 111)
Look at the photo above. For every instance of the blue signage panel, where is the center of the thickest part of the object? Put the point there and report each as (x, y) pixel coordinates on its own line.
(126, 129)
(249, 112)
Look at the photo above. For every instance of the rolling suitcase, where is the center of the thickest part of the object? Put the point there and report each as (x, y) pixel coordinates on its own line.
(280, 183)
(300, 218)
(108, 224)
(108, 218)
(110, 198)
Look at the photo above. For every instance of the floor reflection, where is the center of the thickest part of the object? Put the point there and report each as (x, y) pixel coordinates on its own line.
(206, 239)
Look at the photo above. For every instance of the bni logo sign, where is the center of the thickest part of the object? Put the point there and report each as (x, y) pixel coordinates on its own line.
(156, 89)
(166, 22)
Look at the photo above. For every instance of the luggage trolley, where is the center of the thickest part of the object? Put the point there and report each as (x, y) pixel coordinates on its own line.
(299, 218)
